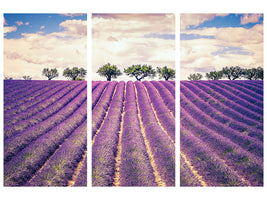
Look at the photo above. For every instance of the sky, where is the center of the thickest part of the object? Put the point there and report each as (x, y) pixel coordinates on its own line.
(130, 39)
(33, 42)
(210, 42)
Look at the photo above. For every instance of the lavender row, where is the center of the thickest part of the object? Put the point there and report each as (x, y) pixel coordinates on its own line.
(95, 84)
(229, 103)
(246, 142)
(25, 91)
(81, 179)
(169, 86)
(98, 92)
(135, 168)
(187, 178)
(246, 88)
(20, 105)
(102, 106)
(166, 96)
(105, 144)
(162, 148)
(247, 126)
(165, 117)
(247, 95)
(24, 164)
(44, 111)
(59, 168)
(30, 107)
(11, 86)
(241, 161)
(19, 141)
(206, 96)
(212, 169)
(255, 86)
(242, 102)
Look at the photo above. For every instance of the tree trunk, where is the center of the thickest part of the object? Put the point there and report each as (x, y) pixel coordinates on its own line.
(109, 78)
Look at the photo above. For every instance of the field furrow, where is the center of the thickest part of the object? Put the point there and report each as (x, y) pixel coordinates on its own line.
(130, 148)
(222, 144)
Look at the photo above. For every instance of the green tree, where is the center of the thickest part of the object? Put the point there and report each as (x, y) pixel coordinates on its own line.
(195, 77)
(75, 73)
(259, 73)
(166, 73)
(109, 71)
(214, 75)
(140, 71)
(250, 73)
(233, 73)
(50, 73)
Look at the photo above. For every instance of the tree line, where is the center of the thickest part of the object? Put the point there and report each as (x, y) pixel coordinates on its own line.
(231, 73)
(138, 71)
(75, 73)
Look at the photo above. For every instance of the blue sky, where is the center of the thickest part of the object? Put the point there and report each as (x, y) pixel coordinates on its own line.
(213, 41)
(33, 23)
(36, 41)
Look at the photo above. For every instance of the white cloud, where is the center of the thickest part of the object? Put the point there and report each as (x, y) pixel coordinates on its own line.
(5, 23)
(35, 51)
(119, 39)
(8, 29)
(27, 23)
(19, 23)
(42, 27)
(250, 18)
(199, 55)
(187, 20)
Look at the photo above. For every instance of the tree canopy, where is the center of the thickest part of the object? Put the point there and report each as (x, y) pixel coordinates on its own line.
(140, 71)
(233, 73)
(109, 71)
(166, 73)
(50, 73)
(195, 77)
(75, 73)
(27, 78)
(214, 75)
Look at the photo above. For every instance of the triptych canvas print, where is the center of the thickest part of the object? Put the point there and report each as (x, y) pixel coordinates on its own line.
(113, 121)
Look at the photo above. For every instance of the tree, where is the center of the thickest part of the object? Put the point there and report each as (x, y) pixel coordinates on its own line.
(214, 75)
(27, 78)
(75, 73)
(50, 74)
(166, 73)
(195, 77)
(140, 72)
(259, 73)
(233, 73)
(8, 78)
(109, 71)
(250, 73)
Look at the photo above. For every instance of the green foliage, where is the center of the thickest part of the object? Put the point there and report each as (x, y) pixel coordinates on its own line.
(214, 75)
(140, 72)
(166, 73)
(259, 73)
(233, 73)
(195, 77)
(109, 71)
(8, 78)
(27, 78)
(50, 74)
(75, 73)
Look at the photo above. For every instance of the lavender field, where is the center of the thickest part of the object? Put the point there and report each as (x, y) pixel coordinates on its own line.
(45, 133)
(133, 133)
(221, 129)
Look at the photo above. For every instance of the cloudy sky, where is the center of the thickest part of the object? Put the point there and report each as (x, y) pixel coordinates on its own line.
(210, 42)
(36, 41)
(127, 39)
